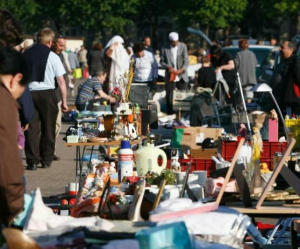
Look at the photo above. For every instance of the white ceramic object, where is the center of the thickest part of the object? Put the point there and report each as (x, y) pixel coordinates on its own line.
(146, 160)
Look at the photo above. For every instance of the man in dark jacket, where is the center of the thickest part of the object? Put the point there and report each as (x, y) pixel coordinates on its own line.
(286, 79)
(58, 46)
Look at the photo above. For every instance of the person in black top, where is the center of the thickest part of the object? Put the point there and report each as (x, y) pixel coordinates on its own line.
(206, 74)
(222, 61)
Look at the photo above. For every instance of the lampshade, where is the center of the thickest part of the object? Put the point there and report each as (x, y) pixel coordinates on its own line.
(263, 87)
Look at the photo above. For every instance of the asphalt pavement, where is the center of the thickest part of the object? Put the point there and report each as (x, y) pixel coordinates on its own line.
(52, 181)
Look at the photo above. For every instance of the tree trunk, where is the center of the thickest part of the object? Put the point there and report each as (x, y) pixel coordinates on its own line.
(298, 24)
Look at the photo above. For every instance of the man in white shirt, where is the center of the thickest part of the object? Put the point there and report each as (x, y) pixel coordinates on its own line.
(146, 68)
(174, 58)
(44, 66)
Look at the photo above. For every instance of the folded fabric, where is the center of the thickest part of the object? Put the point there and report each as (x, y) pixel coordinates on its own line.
(173, 205)
(173, 208)
(21, 218)
(224, 226)
(42, 218)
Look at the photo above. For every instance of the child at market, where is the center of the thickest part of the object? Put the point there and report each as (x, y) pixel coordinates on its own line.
(206, 75)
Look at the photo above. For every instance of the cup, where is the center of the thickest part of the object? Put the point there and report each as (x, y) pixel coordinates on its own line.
(202, 176)
(73, 188)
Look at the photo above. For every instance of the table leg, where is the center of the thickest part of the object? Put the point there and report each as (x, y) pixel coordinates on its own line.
(76, 170)
(76, 163)
(90, 161)
(79, 161)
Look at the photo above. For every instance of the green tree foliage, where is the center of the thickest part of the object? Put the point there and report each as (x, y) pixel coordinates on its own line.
(88, 14)
(149, 12)
(94, 14)
(24, 10)
(210, 13)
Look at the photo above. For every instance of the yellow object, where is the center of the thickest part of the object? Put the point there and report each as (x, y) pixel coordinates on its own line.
(264, 168)
(192, 59)
(77, 73)
(256, 153)
(130, 77)
(294, 126)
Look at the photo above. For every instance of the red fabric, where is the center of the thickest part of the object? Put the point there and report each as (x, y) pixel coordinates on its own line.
(262, 226)
(296, 90)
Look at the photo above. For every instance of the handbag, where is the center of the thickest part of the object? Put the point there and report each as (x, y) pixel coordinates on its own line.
(86, 72)
(77, 73)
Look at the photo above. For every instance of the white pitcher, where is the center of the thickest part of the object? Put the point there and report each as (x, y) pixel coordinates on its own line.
(146, 160)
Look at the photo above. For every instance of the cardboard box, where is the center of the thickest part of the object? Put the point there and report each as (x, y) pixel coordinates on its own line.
(194, 135)
(204, 153)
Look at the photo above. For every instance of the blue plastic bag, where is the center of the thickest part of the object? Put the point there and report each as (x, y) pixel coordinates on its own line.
(170, 236)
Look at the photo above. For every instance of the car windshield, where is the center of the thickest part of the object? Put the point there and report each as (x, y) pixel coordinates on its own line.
(260, 53)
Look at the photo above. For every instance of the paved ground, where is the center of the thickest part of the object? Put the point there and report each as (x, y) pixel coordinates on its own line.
(52, 181)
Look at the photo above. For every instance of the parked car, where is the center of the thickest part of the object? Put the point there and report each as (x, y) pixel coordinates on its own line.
(267, 57)
(269, 65)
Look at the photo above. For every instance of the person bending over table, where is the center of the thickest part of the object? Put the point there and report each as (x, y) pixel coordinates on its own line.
(91, 91)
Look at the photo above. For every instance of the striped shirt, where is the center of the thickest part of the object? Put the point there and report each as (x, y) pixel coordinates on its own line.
(146, 68)
(88, 90)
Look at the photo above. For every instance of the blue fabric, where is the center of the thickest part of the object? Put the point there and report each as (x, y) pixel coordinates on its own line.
(88, 90)
(36, 57)
(21, 218)
(26, 111)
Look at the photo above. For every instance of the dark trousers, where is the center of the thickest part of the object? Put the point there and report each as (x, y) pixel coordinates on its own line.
(170, 87)
(82, 65)
(40, 137)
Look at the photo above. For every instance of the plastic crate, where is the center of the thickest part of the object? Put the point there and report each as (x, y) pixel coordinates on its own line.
(293, 126)
(229, 148)
(197, 164)
(268, 161)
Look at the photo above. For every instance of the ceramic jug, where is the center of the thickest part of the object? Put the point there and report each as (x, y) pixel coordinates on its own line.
(146, 159)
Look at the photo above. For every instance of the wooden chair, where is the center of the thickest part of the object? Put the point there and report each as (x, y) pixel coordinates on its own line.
(16, 239)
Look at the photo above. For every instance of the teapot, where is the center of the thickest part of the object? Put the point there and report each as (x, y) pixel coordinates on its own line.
(146, 158)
